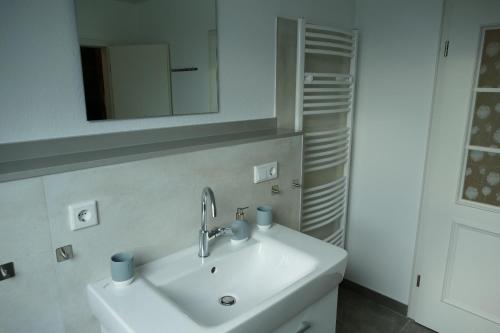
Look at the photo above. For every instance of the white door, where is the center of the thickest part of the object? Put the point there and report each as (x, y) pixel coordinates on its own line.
(458, 247)
(140, 80)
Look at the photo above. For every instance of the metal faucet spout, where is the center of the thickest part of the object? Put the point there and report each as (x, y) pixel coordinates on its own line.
(206, 194)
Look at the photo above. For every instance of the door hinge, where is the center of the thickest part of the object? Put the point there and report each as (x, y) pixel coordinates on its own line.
(446, 47)
(418, 280)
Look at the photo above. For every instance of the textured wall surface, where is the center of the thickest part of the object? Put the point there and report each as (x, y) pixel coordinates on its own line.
(150, 207)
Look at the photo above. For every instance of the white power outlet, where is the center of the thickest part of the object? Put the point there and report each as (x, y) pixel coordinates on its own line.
(83, 215)
(265, 172)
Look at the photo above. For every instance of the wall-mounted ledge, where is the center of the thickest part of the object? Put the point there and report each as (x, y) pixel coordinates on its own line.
(39, 158)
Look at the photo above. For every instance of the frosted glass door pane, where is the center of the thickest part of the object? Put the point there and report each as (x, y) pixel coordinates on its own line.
(481, 173)
(482, 178)
(485, 131)
(489, 70)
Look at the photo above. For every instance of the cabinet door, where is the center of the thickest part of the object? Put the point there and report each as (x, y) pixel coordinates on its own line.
(320, 317)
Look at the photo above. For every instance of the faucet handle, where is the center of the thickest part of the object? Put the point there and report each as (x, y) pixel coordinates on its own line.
(221, 231)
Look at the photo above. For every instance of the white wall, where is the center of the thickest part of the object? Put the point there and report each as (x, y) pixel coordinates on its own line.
(398, 56)
(41, 97)
(187, 33)
(108, 21)
(41, 94)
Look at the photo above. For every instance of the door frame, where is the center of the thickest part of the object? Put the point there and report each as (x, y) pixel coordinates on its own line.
(413, 298)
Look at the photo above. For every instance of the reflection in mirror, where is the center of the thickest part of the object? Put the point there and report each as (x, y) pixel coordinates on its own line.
(148, 58)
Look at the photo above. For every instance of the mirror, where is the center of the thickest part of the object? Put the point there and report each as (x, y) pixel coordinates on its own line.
(148, 58)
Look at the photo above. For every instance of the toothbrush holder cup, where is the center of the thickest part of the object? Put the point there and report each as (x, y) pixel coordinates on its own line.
(122, 269)
(264, 217)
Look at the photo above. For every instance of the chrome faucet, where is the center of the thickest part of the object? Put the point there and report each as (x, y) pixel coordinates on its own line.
(205, 234)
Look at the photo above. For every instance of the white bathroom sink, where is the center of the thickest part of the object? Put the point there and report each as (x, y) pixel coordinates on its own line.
(250, 276)
(270, 278)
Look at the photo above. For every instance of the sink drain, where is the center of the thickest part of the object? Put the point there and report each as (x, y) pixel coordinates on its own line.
(227, 300)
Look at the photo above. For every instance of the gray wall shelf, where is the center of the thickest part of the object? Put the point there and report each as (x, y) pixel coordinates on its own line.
(44, 157)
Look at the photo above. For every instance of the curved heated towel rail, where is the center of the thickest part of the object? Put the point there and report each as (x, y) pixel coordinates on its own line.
(326, 64)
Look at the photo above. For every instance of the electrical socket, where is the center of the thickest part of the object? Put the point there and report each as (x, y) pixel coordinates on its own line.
(265, 172)
(83, 215)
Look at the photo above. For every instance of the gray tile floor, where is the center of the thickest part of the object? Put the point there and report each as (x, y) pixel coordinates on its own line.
(358, 314)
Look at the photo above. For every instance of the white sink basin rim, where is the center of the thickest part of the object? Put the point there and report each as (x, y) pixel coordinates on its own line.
(269, 279)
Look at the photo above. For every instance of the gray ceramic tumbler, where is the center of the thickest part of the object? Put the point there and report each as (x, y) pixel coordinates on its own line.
(122, 268)
(264, 216)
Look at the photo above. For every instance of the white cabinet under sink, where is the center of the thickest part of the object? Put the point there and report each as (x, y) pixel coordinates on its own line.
(320, 317)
